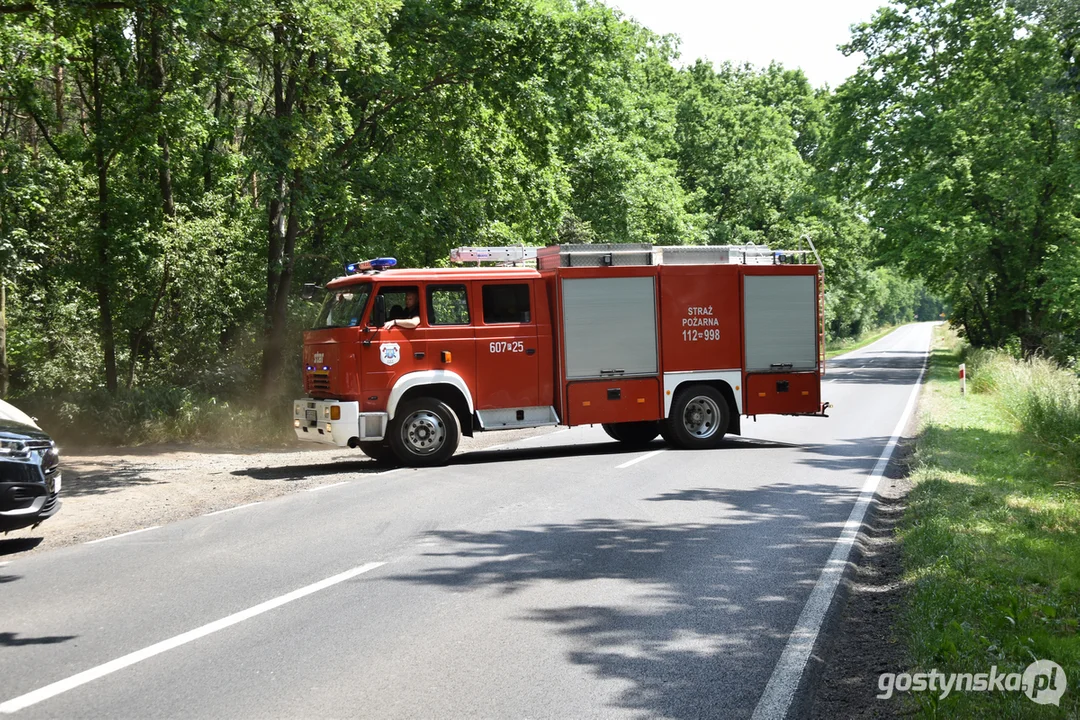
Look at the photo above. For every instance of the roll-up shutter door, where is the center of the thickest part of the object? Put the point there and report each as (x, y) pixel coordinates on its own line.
(780, 323)
(609, 325)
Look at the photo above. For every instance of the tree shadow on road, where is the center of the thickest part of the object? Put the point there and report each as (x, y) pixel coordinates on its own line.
(598, 449)
(116, 475)
(302, 472)
(689, 617)
(8, 639)
(882, 370)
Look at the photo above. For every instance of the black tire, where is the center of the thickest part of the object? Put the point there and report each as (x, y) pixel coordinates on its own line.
(379, 451)
(424, 432)
(633, 433)
(699, 418)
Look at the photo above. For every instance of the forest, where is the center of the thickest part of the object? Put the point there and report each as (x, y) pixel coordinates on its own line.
(172, 173)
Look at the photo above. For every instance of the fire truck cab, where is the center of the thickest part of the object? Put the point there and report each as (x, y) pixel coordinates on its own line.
(644, 340)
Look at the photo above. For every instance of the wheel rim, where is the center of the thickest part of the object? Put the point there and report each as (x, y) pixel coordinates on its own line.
(423, 432)
(701, 418)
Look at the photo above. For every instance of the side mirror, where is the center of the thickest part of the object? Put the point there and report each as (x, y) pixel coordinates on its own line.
(378, 313)
(310, 291)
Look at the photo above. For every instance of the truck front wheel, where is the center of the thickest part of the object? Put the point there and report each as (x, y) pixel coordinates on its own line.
(424, 432)
(633, 433)
(699, 418)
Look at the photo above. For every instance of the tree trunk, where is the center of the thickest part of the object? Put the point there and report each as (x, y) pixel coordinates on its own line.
(273, 354)
(279, 229)
(4, 372)
(211, 143)
(165, 184)
(103, 270)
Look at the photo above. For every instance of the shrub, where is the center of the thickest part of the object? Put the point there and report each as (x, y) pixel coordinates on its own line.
(154, 415)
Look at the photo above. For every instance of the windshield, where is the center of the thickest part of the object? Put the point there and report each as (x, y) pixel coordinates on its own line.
(343, 307)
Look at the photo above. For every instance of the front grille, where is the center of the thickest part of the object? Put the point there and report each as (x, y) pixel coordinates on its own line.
(26, 447)
(318, 381)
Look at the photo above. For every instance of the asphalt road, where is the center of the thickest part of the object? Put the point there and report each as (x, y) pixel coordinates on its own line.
(561, 577)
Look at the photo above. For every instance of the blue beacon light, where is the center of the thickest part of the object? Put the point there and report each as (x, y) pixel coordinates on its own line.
(375, 264)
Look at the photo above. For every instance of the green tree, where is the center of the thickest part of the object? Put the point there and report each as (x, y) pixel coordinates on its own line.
(959, 134)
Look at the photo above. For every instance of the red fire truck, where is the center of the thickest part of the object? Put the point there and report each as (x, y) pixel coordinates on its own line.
(643, 340)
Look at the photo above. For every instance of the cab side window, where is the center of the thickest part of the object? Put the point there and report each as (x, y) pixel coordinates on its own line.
(447, 305)
(506, 304)
(398, 303)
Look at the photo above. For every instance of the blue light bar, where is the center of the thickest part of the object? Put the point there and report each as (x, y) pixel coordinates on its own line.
(375, 264)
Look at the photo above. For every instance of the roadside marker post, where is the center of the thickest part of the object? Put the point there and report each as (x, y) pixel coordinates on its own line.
(963, 378)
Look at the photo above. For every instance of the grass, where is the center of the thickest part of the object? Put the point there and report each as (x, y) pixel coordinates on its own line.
(991, 537)
(846, 345)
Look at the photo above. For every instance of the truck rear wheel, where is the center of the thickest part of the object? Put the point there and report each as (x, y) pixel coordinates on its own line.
(379, 451)
(632, 433)
(699, 418)
(424, 432)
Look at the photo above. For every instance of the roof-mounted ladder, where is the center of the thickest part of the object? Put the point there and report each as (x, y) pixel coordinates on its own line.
(513, 254)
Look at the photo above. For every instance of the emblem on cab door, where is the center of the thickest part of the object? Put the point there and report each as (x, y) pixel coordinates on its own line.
(389, 353)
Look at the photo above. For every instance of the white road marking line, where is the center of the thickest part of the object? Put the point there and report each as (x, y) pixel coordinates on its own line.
(62, 686)
(218, 512)
(780, 690)
(113, 537)
(539, 437)
(323, 487)
(636, 460)
(6, 562)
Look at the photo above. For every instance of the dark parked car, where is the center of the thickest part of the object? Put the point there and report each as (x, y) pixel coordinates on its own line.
(29, 472)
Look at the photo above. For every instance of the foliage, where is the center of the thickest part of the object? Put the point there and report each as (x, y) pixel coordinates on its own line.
(959, 133)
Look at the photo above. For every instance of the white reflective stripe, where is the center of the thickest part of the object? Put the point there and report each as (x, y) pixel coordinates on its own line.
(426, 377)
(672, 380)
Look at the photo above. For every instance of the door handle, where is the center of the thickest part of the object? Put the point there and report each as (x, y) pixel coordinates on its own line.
(530, 351)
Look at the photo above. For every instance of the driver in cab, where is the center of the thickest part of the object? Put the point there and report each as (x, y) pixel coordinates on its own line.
(408, 317)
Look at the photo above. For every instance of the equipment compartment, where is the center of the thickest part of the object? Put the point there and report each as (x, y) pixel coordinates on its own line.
(613, 401)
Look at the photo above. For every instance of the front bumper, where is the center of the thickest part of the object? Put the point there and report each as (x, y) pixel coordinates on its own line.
(23, 504)
(315, 421)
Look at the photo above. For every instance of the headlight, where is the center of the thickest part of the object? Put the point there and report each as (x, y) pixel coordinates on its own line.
(12, 447)
(51, 458)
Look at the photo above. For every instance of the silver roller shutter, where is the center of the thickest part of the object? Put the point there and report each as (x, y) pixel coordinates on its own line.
(780, 322)
(609, 324)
